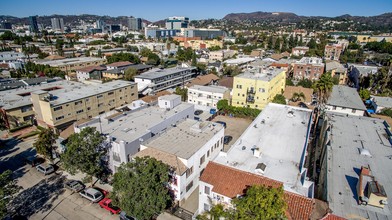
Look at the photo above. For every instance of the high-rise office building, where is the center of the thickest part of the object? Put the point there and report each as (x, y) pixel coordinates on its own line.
(101, 25)
(6, 25)
(135, 24)
(58, 24)
(177, 23)
(33, 24)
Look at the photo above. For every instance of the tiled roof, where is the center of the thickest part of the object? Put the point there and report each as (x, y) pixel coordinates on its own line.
(279, 64)
(169, 159)
(203, 80)
(330, 216)
(226, 82)
(231, 182)
(120, 64)
(89, 69)
(154, 98)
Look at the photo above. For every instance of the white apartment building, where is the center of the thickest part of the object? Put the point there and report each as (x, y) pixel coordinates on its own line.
(187, 148)
(207, 95)
(157, 80)
(220, 55)
(299, 51)
(126, 131)
(346, 100)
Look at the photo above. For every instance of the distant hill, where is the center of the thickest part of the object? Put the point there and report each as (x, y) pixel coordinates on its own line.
(382, 20)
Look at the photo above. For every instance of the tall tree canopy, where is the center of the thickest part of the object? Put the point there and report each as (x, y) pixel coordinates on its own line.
(8, 189)
(140, 187)
(44, 143)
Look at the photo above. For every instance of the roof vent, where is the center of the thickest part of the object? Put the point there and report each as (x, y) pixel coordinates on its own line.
(243, 148)
(260, 168)
(365, 152)
(290, 114)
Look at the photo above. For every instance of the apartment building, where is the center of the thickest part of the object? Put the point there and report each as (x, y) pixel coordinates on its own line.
(308, 68)
(346, 100)
(91, 72)
(157, 80)
(220, 184)
(337, 70)
(59, 107)
(275, 145)
(71, 64)
(118, 73)
(332, 51)
(256, 88)
(187, 148)
(220, 55)
(118, 65)
(201, 44)
(203, 33)
(125, 132)
(299, 51)
(207, 95)
(15, 104)
(355, 166)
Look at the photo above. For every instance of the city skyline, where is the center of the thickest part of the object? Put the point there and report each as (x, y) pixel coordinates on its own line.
(157, 10)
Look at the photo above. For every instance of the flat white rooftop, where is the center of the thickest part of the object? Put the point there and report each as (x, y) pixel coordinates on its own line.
(349, 135)
(158, 73)
(280, 133)
(68, 61)
(261, 74)
(212, 89)
(133, 125)
(186, 138)
(239, 61)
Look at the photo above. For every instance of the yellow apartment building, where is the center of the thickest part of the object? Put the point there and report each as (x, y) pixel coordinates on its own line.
(73, 64)
(60, 108)
(255, 89)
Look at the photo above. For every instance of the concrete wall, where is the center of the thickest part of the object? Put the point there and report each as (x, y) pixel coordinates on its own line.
(205, 98)
(343, 110)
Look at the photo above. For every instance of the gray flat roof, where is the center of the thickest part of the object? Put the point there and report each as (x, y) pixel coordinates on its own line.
(157, 73)
(68, 61)
(344, 96)
(264, 74)
(133, 125)
(212, 88)
(383, 101)
(14, 98)
(280, 133)
(78, 91)
(349, 135)
(185, 139)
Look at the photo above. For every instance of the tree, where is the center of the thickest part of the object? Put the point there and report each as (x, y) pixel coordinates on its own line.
(194, 62)
(260, 202)
(140, 187)
(8, 189)
(280, 99)
(312, 43)
(44, 143)
(222, 104)
(153, 59)
(183, 92)
(323, 86)
(386, 111)
(277, 45)
(298, 96)
(123, 57)
(144, 52)
(130, 73)
(84, 152)
(289, 82)
(364, 94)
(306, 83)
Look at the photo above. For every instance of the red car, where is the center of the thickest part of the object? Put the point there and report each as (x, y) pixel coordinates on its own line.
(106, 203)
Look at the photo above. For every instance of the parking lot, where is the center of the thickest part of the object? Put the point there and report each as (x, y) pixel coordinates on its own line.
(234, 127)
(44, 197)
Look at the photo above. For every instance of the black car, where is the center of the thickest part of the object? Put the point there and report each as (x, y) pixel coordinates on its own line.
(227, 139)
(198, 112)
(222, 123)
(124, 216)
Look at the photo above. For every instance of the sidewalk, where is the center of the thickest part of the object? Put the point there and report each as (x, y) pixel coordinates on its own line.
(79, 176)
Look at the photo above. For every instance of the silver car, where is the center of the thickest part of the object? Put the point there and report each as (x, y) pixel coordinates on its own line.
(91, 194)
(74, 185)
(46, 169)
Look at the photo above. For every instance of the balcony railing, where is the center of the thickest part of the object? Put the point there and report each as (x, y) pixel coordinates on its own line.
(251, 91)
(250, 99)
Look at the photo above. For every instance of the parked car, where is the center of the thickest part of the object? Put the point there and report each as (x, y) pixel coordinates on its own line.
(124, 216)
(46, 169)
(227, 139)
(91, 194)
(74, 185)
(222, 123)
(106, 203)
(198, 112)
(34, 160)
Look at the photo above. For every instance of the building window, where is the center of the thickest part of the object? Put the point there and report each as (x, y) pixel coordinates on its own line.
(26, 108)
(80, 111)
(78, 102)
(55, 108)
(100, 104)
(261, 90)
(208, 153)
(343, 108)
(353, 111)
(99, 96)
(59, 118)
(334, 108)
(239, 86)
(88, 108)
(207, 190)
(202, 159)
(189, 172)
(206, 207)
(110, 93)
(189, 186)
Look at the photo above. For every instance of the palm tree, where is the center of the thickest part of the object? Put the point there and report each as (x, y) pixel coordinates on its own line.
(324, 86)
(298, 96)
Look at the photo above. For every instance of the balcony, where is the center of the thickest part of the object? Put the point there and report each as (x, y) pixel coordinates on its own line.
(251, 91)
(250, 99)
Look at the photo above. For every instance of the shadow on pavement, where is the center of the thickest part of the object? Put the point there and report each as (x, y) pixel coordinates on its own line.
(38, 198)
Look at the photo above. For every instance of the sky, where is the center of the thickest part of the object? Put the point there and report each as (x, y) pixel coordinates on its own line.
(154, 10)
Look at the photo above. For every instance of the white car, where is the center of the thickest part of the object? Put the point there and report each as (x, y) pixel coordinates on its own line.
(92, 194)
(46, 169)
